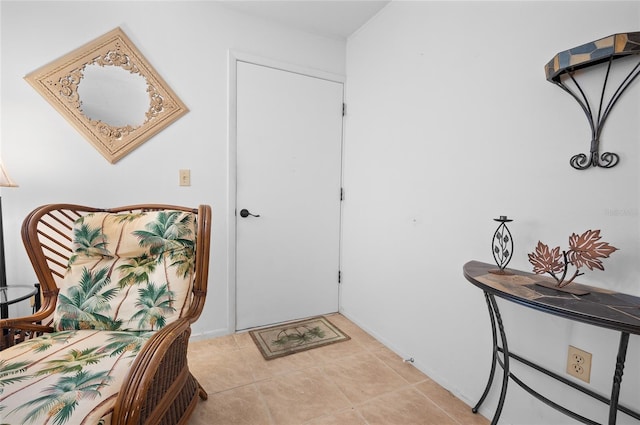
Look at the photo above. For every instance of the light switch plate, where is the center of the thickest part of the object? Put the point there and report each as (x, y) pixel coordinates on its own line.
(185, 177)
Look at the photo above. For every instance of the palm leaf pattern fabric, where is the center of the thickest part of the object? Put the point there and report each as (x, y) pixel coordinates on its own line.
(73, 380)
(129, 275)
(128, 271)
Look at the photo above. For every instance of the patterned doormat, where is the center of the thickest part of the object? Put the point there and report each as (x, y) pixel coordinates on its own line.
(293, 337)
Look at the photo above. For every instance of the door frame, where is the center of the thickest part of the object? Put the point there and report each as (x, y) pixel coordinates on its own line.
(232, 156)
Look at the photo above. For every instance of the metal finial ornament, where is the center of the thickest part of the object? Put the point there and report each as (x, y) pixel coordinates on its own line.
(502, 245)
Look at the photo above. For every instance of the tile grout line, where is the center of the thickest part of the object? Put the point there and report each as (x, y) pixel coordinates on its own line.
(265, 404)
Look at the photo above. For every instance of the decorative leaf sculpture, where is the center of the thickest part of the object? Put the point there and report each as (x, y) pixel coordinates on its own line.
(545, 260)
(585, 250)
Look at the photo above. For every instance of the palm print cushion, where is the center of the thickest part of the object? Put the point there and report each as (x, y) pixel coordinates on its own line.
(129, 275)
(127, 271)
(68, 377)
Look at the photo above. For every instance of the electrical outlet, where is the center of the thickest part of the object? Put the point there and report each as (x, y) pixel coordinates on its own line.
(185, 177)
(579, 363)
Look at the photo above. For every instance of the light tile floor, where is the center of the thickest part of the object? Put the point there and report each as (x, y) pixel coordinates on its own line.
(356, 382)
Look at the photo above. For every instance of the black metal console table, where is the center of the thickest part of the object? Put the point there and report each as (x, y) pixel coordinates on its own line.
(607, 309)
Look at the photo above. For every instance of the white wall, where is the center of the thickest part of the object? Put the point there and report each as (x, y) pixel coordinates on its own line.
(450, 124)
(188, 44)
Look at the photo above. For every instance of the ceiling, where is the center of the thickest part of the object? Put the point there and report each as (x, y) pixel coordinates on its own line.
(330, 18)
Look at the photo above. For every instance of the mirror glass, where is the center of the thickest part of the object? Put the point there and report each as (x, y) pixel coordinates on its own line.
(113, 95)
(109, 93)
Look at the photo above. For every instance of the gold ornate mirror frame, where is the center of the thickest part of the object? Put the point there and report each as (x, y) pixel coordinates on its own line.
(58, 83)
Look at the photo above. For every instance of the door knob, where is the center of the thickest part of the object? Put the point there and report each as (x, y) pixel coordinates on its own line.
(245, 213)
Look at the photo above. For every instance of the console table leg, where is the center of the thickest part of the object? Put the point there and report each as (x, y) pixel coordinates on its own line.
(494, 358)
(505, 361)
(494, 314)
(617, 377)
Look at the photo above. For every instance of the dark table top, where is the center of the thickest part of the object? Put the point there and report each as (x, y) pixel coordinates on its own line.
(599, 307)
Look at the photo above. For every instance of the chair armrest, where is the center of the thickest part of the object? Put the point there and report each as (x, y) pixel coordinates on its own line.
(33, 322)
(15, 331)
(157, 378)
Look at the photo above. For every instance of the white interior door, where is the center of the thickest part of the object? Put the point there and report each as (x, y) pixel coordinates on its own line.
(289, 155)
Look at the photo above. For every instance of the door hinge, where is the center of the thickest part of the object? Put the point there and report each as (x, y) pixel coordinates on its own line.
(344, 109)
(339, 276)
(342, 194)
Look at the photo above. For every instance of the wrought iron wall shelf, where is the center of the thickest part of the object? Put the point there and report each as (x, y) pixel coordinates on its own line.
(562, 69)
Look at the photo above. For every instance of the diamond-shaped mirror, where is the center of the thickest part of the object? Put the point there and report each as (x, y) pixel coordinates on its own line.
(109, 92)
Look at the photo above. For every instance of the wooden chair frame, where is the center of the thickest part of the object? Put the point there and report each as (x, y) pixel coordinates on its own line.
(160, 389)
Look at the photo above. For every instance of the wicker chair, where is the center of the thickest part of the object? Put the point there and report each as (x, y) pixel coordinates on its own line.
(42, 356)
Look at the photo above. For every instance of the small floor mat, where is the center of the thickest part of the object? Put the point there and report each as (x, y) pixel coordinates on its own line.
(293, 337)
